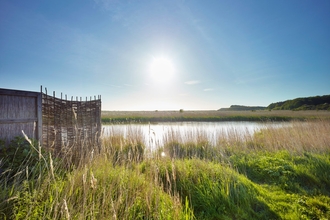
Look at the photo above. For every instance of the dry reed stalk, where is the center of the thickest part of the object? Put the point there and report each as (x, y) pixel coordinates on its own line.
(37, 150)
(125, 146)
(295, 137)
(311, 136)
(65, 210)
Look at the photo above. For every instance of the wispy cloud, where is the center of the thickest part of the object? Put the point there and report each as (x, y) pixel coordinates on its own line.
(117, 8)
(208, 89)
(192, 82)
(115, 86)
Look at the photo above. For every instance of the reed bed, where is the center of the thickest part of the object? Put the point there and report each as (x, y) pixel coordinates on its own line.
(276, 173)
(301, 137)
(171, 116)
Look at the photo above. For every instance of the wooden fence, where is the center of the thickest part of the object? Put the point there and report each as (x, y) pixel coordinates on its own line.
(70, 122)
(20, 110)
(56, 122)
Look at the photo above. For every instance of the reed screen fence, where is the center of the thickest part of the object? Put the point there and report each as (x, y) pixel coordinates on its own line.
(59, 124)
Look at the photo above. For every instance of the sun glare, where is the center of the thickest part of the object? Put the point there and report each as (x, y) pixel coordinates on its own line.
(161, 69)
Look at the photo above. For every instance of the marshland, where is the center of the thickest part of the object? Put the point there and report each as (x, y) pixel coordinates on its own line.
(261, 68)
(212, 115)
(275, 172)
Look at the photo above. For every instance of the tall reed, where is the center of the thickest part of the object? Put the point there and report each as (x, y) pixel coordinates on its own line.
(275, 173)
(307, 136)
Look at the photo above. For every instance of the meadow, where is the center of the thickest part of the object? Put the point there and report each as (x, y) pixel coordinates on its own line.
(276, 173)
(212, 115)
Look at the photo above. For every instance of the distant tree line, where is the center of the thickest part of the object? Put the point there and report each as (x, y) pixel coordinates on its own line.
(242, 108)
(309, 103)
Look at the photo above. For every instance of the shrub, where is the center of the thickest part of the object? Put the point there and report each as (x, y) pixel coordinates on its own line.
(18, 153)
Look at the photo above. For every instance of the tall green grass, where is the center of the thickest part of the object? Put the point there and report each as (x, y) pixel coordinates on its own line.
(277, 173)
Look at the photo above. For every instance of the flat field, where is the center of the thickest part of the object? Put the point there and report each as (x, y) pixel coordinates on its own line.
(212, 115)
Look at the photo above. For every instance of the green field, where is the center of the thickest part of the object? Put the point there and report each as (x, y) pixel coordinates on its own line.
(177, 116)
(277, 173)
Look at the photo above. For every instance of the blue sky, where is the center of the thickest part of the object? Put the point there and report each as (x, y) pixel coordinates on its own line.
(219, 52)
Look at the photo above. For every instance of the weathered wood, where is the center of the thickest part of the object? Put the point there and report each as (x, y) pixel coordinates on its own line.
(19, 120)
(18, 93)
(18, 112)
(70, 122)
(55, 122)
(39, 117)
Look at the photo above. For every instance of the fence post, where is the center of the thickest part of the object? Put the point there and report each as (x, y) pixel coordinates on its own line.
(39, 116)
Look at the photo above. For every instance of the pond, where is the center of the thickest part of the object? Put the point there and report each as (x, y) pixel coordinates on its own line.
(155, 134)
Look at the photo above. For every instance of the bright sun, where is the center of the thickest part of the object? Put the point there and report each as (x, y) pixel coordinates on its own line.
(161, 69)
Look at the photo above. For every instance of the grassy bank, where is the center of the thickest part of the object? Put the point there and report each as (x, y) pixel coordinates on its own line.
(208, 116)
(274, 174)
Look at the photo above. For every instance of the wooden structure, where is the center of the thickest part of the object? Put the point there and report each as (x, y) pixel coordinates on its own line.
(20, 110)
(54, 122)
(70, 122)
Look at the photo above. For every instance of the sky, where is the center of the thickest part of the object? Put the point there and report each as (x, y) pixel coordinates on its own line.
(167, 55)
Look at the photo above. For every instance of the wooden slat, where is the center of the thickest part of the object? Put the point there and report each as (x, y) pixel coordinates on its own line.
(39, 117)
(15, 120)
(49, 119)
(18, 93)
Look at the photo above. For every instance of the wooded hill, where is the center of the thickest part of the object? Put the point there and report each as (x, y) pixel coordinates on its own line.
(242, 108)
(309, 103)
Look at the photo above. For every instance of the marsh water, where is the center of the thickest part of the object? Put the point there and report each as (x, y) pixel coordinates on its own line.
(155, 134)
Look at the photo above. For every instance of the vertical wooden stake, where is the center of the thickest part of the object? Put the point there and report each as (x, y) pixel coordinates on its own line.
(39, 116)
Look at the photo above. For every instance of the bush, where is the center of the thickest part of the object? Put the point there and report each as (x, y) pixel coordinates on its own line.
(19, 153)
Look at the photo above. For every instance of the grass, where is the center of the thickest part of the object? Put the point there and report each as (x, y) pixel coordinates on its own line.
(178, 116)
(277, 173)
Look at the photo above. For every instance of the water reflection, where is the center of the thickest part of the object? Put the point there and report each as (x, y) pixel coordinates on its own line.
(155, 134)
